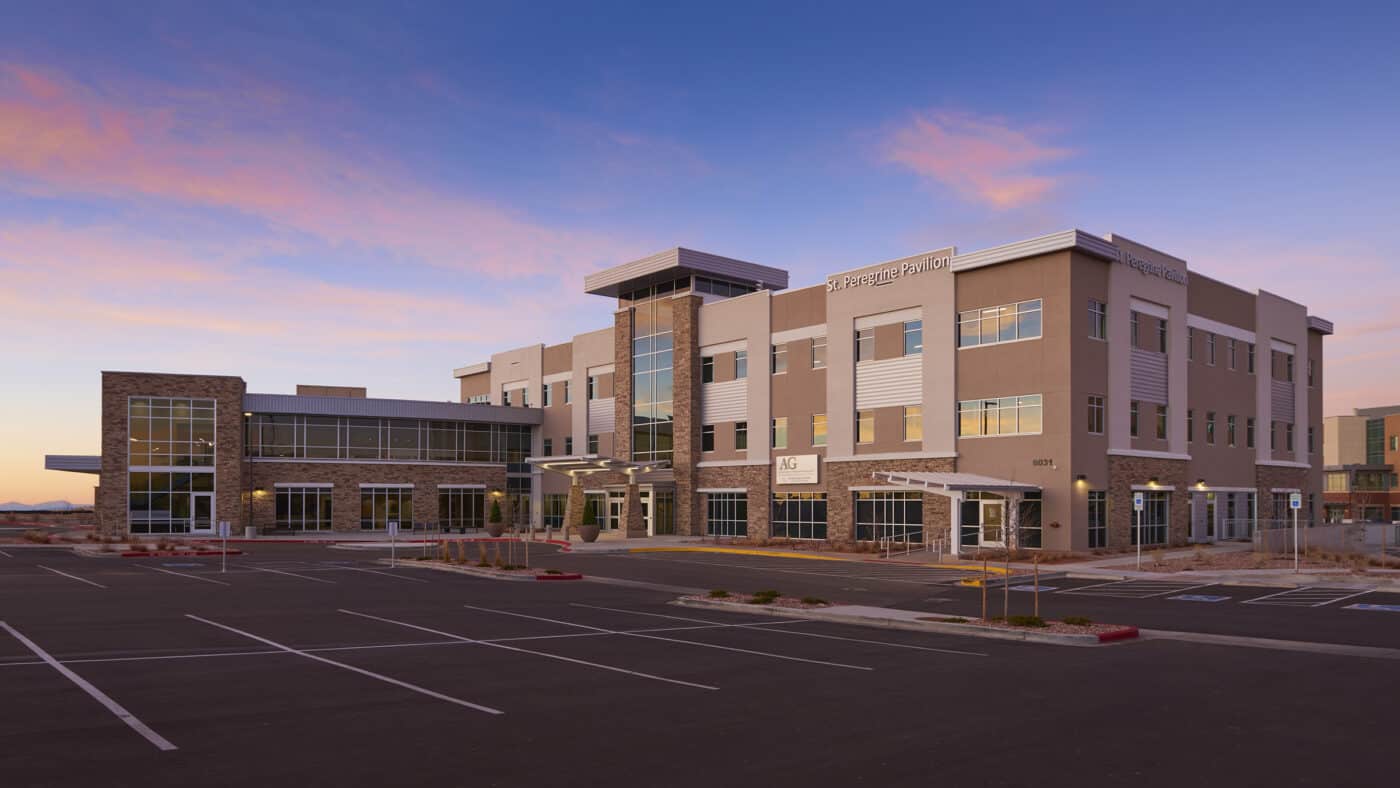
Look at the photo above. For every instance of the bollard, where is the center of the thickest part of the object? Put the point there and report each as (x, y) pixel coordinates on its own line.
(984, 588)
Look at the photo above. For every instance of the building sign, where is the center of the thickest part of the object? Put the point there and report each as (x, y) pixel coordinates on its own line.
(796, 469)
(889, 273)
(1147, 267)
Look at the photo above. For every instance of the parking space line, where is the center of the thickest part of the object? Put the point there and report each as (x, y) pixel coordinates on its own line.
(699, 643)
(559, 657)
(289, 574)
(760, 626)
(7, 555)
(1340, 598)
(385, 574)
(98, 695)
(1177, 590)
(184, 574)
(1095, 585)
(1268, 596)
(351, 668)
(74, 577)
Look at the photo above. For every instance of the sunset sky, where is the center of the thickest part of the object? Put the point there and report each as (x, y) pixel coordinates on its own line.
(365, 195)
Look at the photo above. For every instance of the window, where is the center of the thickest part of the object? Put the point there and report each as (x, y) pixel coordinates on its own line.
(707, 369)
(353, 438)
(1249, 432)
(380, 505)
(1288, 367)
(865, 426)
(552, 510)
(1020, 415)
(1210, 427)
(1098, 519)
(1098, 319)
(1095, 414)
(913, 337)
(568, 393)
(898, 516)
(653, 377)
(1133, 328)
(479, 399)
(461, 508)
(1153, 528)
(1190, 344)
(593, 444)
(304, 508)
(779, 354)
(548, 447)
(547, 400)
(1190, 425)
(1161, 422)
(1133, 418)
(525, 398)
(799, 516)
(592, 387)
(1249, 357)
(1288, 436)
(1005, 323)
(1310, 440)
(1230, 352)
(818, 352)
(819, 429)
(1210, 349)
(1161, 336)
(569, 446)
(1028, 525)
(727, 514)
(1311, 376)
(865, 344)
(1273, 435)
(741, 435)
(505, 398)
(780, 432)
(707, 437)
(741, 364)
(1230, 431)
(1395, 442)
(180, 432)
(913, 423)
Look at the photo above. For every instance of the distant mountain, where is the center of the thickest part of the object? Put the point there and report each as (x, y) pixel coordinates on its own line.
(46, 506)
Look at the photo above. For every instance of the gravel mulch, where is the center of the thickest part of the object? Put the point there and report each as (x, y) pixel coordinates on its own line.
(1240, 560)
(1053, 627)
(795, 603)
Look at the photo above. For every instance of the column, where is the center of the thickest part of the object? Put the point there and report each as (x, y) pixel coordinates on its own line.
(633, 525)
(573, 509)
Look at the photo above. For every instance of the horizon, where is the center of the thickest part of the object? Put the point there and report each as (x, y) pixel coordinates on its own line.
(368, 197)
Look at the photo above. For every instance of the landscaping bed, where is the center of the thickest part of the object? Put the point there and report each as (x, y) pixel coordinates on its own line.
(1207, 560)
(500, 571)
(767, 598)
(1072, 626)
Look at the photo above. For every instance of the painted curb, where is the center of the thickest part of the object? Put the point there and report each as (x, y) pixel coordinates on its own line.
(573, 576)
(941, 627)
(1126, 633)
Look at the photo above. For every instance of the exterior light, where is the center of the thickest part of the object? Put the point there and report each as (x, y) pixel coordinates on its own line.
(1201, 483)
(246, 414)
(1081, 478)
(1152, 482)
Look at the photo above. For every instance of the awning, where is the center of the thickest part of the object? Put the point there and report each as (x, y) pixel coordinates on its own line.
(953, 482)
(77, 463)
(585, 464)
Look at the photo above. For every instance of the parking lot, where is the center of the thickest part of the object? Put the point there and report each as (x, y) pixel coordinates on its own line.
(307, 663)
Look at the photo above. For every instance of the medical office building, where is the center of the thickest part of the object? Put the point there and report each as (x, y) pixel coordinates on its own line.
(1018, 395)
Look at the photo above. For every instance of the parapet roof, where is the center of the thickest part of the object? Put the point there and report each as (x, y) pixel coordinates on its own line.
(678, 262)
(390, 408)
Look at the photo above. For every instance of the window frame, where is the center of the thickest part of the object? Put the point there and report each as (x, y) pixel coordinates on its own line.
(1098, 320)
(1096, 404)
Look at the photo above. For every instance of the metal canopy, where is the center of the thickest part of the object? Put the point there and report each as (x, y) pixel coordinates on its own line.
(77, 463)
(585, 464)
(945, 483)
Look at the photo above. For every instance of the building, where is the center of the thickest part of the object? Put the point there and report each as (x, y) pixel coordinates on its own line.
(1360, 453)
(1022, 395)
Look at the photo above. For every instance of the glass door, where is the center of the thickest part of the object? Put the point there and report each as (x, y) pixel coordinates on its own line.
(993, 520)
(202, 513)
(614, 512)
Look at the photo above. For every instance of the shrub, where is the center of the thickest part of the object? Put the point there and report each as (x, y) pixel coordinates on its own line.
(484, 564)
(812, 600)
(1026, 621)
(954, 620)
(554, 571)
(37, 537)
(590, 516)
(1078, 621)
(768, 593)
(495, 511)
(718, 593)
(761, 600)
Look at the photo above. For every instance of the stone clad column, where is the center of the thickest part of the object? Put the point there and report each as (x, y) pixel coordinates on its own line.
(633, 525)
(573, 509)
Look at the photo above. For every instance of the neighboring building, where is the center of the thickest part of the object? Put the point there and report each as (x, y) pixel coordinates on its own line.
(1019, 395)
(1360, 453)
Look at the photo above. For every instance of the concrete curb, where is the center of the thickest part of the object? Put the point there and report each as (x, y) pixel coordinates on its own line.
(941, 627)
(478, 572)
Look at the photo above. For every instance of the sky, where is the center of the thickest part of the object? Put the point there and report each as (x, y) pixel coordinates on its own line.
(353, 193)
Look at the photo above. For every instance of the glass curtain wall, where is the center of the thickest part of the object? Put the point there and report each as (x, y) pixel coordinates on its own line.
(652, 379)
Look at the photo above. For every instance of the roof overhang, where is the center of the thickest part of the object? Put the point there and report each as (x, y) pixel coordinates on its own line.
(390, 408)
(680, 262)
(586, 464)
(74, 463)
(948, 483)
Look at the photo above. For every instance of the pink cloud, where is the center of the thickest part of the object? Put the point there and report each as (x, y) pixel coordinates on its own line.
(58, 137)
(982, 159)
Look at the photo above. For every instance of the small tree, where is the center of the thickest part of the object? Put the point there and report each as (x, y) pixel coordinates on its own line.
(495, 516)
(590, 516)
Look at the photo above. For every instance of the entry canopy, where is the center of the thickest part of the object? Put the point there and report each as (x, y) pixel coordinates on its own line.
(948, 483)
(585, 464)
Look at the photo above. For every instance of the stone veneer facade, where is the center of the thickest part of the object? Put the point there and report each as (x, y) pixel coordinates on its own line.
(1125, 472)
(685, 363)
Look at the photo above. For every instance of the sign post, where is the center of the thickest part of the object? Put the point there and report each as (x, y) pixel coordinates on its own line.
(1295, 502)
(393, 543)
(1139, 503)
(223, 558)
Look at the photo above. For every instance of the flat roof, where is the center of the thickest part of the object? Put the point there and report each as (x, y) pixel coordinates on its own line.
(678, 262)
(390, 408)
(76, 463)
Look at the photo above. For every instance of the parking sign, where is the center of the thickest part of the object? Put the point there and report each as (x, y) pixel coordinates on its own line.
(393, 526)
(1139, 502)
(1295, 500)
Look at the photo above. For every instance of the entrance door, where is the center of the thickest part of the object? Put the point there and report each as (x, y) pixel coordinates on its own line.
(202, 513)
(993, 523)
(614, 512)
(646, 512)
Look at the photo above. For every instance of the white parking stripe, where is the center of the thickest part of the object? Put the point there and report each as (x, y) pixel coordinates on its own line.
(759, 627)
(290, 574)
(385, 574)
(98, 695)
(351, 668)
(699, 643)
(1340, 598)
(1269, 596)
(74, 577)
(183, 574)
(7, 555)
(559, 657)
(1178, 590)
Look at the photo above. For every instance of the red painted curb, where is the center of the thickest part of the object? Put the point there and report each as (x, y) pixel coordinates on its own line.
(175, 554)
(1126, 633)
(559, 577)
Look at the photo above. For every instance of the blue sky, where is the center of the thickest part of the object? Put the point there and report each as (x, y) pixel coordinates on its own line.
(366, 194)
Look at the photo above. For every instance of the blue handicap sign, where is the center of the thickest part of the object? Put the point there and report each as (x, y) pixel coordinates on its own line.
(1033, 588)
(1199, 598)
(1380, 608)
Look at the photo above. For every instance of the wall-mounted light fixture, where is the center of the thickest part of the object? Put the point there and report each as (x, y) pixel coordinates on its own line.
(1152, 482)
(1081, 478)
